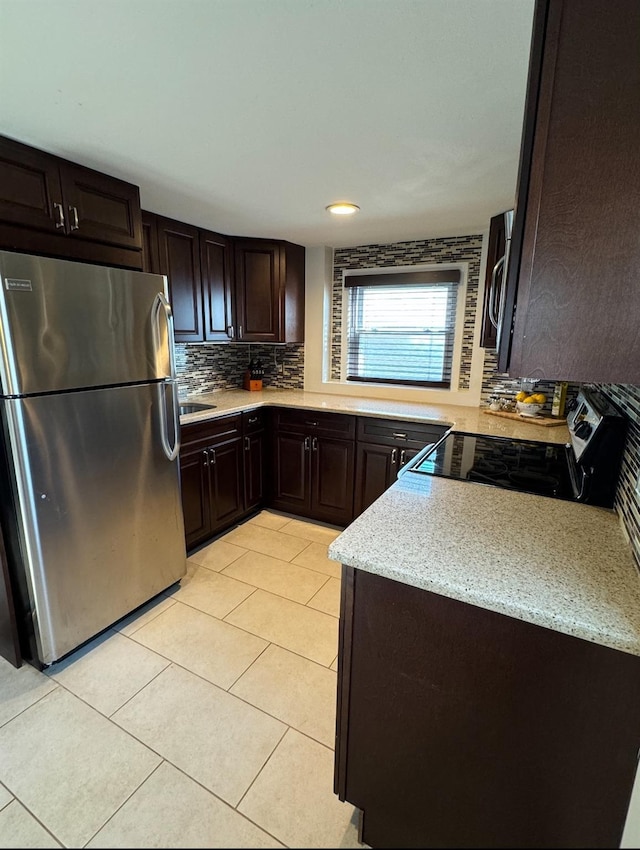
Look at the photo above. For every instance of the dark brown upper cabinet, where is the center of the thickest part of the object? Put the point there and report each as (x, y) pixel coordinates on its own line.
(573, 298)
(179, 258)
(269, 291)
(54, 207)
(227, 289)
(216, 259)
(198, 266)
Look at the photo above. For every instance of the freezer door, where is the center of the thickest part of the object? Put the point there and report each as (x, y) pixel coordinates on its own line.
(70, 325)
(99, 510)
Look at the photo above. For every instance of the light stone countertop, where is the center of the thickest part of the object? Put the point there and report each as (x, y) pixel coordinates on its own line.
(562, 565)
(472, 420)
(558, 564)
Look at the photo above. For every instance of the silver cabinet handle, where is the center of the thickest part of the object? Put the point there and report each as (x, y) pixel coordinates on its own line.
(212, 456)
(493, 300)
(252, 421)
(247, 444)
(205, 458)
(394, 456)
(60, 217)
(74, 212)
(314, 444)
(239, 331)
(307, 443)
(309, 422)
(402, 454)
(230, 331)
(399, 436)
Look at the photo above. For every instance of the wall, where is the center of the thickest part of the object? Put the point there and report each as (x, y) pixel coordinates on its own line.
(467, 249)
(202, 368)
(324, 300)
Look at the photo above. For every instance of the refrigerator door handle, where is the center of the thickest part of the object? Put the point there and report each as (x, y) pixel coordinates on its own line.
(160, 303)
(171, 453)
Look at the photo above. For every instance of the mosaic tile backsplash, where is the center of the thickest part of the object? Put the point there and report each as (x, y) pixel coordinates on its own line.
(203, 368)
(627, 399)
(454, 249)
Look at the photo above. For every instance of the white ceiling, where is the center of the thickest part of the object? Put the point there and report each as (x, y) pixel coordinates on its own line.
(250, 116)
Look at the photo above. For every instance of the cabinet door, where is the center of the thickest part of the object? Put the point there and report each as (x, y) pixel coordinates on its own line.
(253, 470)
(29, 187)
(150, 252)
(194, 476)
(226, 482)
(180, 261)
(494, 278)
(290, 483)
(215, 265)
(332, 480)
(462, 727)
(575, 251)
(101, 208)
(376, 469)
(258, 290)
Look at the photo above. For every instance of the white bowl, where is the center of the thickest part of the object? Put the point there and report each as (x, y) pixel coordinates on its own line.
(528, 409)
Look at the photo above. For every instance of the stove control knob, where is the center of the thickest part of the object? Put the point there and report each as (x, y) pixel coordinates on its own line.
(583, 430)
(572, 404)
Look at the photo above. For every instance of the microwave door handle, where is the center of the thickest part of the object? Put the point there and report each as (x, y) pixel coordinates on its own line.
(494, 301)
(503, 295)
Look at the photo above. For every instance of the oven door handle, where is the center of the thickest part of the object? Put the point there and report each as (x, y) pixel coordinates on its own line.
(414, 461)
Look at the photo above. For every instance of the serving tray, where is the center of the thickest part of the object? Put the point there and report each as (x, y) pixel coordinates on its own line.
(546, 421)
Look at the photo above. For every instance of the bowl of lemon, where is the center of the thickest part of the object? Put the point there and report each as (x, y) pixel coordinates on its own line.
(530, 405)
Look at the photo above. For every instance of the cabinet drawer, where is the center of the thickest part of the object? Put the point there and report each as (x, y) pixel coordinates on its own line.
(314, 422)
(211, 431)
(392, 432)
(253, 420)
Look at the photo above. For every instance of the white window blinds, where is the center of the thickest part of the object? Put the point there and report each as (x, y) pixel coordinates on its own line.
(401, 327)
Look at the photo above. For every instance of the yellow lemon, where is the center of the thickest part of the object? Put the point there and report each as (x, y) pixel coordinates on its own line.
(529, 400)
(539, 398)
(521, 395)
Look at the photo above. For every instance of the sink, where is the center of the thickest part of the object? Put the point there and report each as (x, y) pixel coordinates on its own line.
(194, 407)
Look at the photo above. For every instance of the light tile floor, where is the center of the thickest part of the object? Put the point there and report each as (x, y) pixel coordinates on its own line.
(205, 720)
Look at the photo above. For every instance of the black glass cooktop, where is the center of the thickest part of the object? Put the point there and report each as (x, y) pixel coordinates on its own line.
(528, 467)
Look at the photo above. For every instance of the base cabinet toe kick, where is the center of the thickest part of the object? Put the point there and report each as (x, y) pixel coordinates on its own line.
(461, 727)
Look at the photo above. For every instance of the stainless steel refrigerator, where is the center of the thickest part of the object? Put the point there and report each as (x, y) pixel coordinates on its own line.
(91, 509)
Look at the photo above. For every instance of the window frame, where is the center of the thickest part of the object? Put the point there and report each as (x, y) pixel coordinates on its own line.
(458, 329)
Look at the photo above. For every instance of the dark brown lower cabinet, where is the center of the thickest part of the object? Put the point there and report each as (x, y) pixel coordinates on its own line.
(376, 469)
(383, 447)
(212, 477)
(254, 469)
(222, 472)
(313, 476)
(462, 727)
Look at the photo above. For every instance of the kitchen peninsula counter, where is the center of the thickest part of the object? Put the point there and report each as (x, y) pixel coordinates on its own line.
(471, 420)
(488, 669)
(558, 564)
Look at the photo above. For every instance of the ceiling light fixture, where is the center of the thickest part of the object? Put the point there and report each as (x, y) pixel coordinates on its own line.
(343, 208)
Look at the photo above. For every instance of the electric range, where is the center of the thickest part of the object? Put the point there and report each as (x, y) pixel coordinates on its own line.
(586, 469)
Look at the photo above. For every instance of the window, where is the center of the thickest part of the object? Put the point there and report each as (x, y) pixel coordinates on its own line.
(401, 327)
